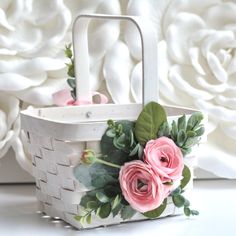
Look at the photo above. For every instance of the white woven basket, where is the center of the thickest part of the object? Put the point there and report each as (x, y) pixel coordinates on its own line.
(58, 135)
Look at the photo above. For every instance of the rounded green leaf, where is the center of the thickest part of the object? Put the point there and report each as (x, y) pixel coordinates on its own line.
(105, 210)
(92, 205)
(156, 212)
(178, 200)
(89, 219)
(187, 211)
(149, 121)
(194, 212)
(102, 197)
(186, 177)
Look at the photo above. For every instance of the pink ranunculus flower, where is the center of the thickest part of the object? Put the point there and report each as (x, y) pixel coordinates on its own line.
(141, 188)
(165, 158)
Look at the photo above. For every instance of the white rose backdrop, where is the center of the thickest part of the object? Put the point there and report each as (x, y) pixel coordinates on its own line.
(197, 61)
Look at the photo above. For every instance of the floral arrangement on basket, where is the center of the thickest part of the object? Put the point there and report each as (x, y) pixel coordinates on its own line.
(140, 165)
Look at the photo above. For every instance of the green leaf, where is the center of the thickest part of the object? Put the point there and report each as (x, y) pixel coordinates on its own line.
(186, 203)
(127, 212)
(177, 191)
(114, 155)
(116, 210)
(194, 212)
(140, 151)
(178, 200)
(96, 175)
(191, 134)
(102, 197)
(149, 121)
(70, 71)
(78, 218)
(116, 202)
(164, 130)
(185, 150)
(105, 210)
(191, 142)
(187, 211)
(174, 131)
(71, 83)
(194, 120)
(200, 131)
(111, 133)
(92, 205)
(186, 177)
(89, 219)
(73, 93)
(68, 51)
(182, 123)
(157, 212)
(181, 137)
(135, 150)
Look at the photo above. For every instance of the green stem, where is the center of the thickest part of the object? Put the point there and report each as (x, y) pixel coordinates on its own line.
(107, 163)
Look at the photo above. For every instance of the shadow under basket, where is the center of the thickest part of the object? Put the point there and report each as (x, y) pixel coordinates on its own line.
(57, 136)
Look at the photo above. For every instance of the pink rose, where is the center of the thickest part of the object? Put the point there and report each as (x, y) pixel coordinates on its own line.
(165, 158)
(141, 188)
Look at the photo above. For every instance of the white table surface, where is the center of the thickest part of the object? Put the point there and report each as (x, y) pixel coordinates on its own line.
(215, 199)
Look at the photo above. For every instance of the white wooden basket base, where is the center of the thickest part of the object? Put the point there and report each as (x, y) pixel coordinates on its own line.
(56, 151)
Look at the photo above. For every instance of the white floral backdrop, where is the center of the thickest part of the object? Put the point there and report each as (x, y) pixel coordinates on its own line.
(197, 61)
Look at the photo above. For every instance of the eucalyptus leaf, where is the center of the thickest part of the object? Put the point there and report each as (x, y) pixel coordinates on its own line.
(116, 210)
(156, 212)
(105, 210)
(71, 83)
(116, 202)
(92, 205)
(194, 212)
(86, 199)
(89, 218)
(177, 191)
(102, 197)
(127, 212)
(149, 122)
(187, 211)
(178, 200)
(186, 177)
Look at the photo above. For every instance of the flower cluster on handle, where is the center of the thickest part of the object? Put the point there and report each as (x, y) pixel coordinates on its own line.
(141, 164)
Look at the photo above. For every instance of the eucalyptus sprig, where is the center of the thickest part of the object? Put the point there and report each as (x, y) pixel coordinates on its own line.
(102, 205)
(180, 201)
(185, 133)
(70, 69)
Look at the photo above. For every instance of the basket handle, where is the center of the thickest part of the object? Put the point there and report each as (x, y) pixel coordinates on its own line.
(149, 55)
